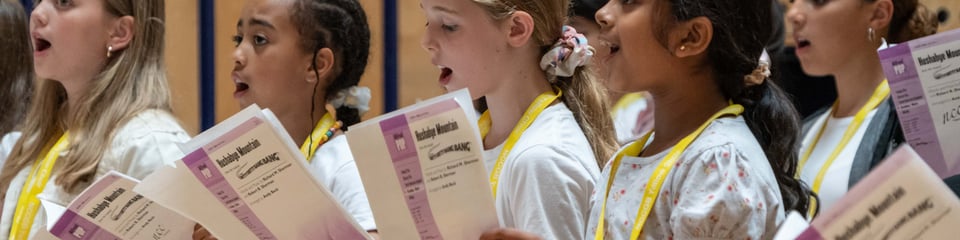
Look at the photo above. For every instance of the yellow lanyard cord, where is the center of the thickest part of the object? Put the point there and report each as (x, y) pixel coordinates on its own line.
(656, 180)
(324, 130)
(626, 100)
(881, 93)
(536, 107)
(28, 203)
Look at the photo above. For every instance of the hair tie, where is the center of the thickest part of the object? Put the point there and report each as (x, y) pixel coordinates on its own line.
(570, 51)
(761, 73)
(354, 97)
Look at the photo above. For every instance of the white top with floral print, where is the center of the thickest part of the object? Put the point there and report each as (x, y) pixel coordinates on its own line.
(722, 187)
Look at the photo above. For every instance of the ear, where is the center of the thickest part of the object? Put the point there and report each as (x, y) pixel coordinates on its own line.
(691, 38)
(881, 15)
(325, 65)
(122, 33)
(519, 28)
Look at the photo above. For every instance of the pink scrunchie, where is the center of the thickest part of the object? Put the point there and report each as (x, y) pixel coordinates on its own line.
(570, 51)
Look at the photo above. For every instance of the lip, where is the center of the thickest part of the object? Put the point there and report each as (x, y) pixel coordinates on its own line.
(446, 74)
(801, 48)
(238, 92)
(38, 40)
(614, 50)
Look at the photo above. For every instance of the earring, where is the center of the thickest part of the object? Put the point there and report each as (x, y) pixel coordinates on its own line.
(871, 34)
(109, 50)
(683, 47)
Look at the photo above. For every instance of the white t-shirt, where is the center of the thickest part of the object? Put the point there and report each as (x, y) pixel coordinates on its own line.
(143, 144)
(334, 167)
(836, 181)
(722, 187)
(547, 178)
(6, 145)
(633, 118)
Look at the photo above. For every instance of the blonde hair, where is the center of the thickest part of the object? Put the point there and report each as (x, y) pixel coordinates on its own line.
(132, 81)
(585, 97)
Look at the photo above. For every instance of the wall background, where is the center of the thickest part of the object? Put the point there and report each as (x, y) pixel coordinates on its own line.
(198, 42)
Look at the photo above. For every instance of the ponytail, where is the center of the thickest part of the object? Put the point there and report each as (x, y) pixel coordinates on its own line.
(586, 98)
(911, 20)
(774, 122)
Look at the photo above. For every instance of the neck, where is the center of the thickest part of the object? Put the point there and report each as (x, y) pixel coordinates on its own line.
(299, 124)
(856, 85)
(508, 102)
(74, 93)
(682, 110)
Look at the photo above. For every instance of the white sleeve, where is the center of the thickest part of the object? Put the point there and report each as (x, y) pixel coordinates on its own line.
(720, 195)
(348, 188)
(138, 156)
(6, 145)
(548, 193)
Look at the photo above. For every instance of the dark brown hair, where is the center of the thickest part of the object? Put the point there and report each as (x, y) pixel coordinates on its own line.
(740, 31)
(911, 20)
(340, 25)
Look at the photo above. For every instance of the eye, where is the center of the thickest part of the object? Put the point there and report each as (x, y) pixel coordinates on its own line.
(237, 39)
(259, 40)
(449, 28)
(64, 3)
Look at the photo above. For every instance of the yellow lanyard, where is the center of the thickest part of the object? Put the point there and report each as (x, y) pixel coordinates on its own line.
(659, 174)
(626, 100)
(881, 93)
(536, 107)
(324, 130)
(28, 203)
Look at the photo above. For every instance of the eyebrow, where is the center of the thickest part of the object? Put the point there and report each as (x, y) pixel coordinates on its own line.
(441, 8)
(257, 21)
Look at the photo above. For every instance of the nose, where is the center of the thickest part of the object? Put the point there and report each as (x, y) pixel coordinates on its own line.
(38, 17)
(427, 40)
(603, 16)
(239, 60)
(794, 15)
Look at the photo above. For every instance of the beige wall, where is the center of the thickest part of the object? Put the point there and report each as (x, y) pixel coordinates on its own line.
(182, 61)
(417, 77)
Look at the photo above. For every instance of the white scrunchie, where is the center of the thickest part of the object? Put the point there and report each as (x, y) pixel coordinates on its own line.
(354, 97)
(570, 51)
(761, 73)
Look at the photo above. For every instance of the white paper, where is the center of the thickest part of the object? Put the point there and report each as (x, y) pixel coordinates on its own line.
(422, 168)
(245, 180)
(924, 77)
(902, 198)
(792, 227)
(110, 209)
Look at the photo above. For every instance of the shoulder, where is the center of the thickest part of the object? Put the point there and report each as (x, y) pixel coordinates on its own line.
(334, 153)
(726, 134)
(149, 126)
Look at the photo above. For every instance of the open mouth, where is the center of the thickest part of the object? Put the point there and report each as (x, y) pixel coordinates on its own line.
(803, 43)
(40, 45)
(240, 87)
(445, 74)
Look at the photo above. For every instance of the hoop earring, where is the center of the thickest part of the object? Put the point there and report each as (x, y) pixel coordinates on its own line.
(871, 34)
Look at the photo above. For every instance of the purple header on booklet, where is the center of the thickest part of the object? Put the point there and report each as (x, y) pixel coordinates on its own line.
(210, 176)
(397, 136)
(433, 110)
(74, 227)
(233, 134)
